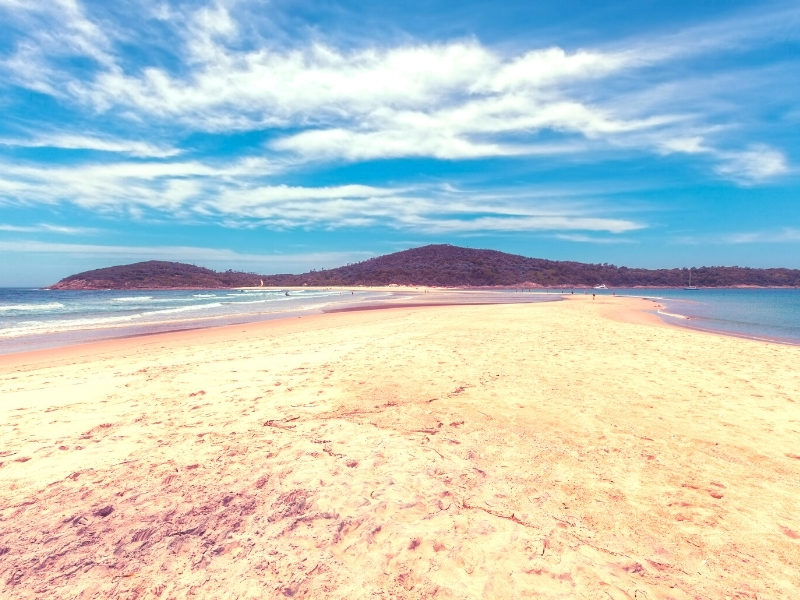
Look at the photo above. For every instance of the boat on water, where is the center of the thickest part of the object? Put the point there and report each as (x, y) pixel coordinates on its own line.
(691, 287)
(602, 286)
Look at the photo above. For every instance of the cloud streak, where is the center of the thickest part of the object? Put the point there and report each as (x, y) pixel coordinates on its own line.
(82, 142)
(47, 228)
(235, 195)
(215, 257)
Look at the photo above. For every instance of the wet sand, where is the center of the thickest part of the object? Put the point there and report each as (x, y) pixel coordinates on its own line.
(552, 450)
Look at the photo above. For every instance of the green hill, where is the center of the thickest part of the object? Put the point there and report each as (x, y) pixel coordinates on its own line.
(434, 265)
(155, 274)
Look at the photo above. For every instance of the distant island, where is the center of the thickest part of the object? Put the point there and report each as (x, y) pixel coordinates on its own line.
(439, 265)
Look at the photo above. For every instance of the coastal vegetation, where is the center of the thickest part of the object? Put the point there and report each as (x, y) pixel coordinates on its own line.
(155, 274)
(434, 265)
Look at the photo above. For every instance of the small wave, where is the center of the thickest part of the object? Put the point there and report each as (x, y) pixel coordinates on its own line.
(184, 309)
(39, 327)
(204, 295)
(133, 299)
(264, 301)
(673, 315)
(243, 294)
(31, 307)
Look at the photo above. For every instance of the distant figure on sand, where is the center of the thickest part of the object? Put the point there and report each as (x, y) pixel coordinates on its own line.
(592, 295)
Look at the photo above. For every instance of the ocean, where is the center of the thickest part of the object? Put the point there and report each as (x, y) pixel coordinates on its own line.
(32, 319)
(763, 314)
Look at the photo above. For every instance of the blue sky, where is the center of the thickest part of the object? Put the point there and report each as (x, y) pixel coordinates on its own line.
(289, 135)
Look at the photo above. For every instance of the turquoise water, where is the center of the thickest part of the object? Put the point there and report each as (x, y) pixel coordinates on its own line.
(34, 318)
(767, 314)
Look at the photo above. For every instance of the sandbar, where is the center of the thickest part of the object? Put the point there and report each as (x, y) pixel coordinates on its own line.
(576, 449)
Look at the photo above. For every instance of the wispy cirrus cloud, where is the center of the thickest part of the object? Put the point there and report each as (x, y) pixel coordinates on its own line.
(214, 257)
(47, 228)
(587, 239)
(82, 142)
(54, 31)
(236, 195)
(785, 235)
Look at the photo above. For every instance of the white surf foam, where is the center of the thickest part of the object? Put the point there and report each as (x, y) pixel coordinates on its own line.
(673, 315)
(40, 327)
(31, 307)
(133, 299)
(169, 311)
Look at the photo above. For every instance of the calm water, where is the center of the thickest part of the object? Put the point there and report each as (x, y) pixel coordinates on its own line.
(33, 318)
(754, 313)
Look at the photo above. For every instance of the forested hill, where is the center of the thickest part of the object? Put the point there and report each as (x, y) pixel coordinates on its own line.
(155, 274)
(444, 265)
(435, 265)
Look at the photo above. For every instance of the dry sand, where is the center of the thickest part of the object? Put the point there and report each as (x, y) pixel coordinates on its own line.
(563, 450)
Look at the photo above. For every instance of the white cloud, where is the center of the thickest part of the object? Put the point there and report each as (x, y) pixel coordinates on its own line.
(236, 195)
(450, 100)
(418, 100)
(687, 145)
(753, 165)
(82, 142)
(47, 228)
(57, 28)
(212, 257)
(787, 235)
(783, 236)
(528, 223)
(586, 239)
(462, 132)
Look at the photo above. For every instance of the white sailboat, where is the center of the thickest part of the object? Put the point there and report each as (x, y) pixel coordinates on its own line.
(602, 286)
(690, 286)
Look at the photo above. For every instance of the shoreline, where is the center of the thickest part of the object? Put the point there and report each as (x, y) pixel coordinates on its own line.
(80, 336)
(205, 324)
(189, 333)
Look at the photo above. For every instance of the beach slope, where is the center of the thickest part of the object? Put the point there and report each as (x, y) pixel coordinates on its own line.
(553, 450)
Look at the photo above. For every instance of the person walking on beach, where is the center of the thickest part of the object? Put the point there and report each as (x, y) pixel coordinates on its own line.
(592, 295)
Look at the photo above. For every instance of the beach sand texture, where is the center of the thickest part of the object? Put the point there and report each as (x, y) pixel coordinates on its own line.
(561, 450)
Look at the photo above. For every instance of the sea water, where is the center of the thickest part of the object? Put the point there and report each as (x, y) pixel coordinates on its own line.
(36, 318)
(764, 314)
(32, 319)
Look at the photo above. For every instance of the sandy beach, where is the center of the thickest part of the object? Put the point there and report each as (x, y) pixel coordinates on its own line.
(577, 449)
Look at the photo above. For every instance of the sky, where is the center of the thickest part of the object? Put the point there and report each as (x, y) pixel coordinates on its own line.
(289, 135)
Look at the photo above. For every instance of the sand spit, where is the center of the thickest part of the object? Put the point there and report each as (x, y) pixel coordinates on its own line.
(542, 451)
